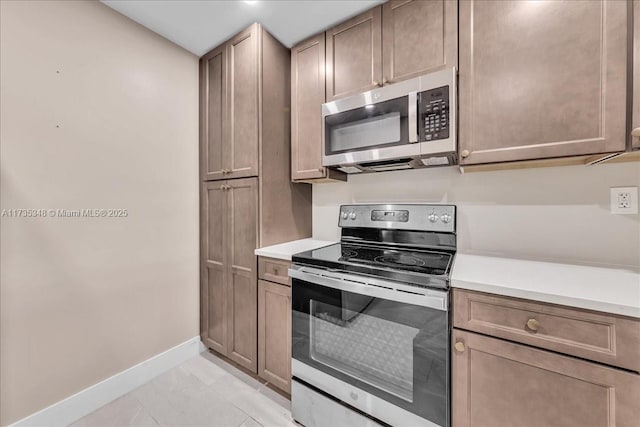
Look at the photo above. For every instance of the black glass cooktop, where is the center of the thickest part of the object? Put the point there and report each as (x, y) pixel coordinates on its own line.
(420, 267)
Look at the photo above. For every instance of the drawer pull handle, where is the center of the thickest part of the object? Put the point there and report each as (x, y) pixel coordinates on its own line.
(533, 324)
(459, 346)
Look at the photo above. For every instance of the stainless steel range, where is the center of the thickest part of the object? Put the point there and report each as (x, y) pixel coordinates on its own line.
(370, 320)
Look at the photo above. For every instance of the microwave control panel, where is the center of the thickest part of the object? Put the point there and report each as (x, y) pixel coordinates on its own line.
(433, 106)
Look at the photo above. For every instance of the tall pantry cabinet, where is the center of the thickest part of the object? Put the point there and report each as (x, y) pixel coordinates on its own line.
(247, 199)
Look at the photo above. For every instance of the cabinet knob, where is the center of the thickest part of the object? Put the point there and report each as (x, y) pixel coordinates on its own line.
(464, 153)
(533, 324)
(276, 271)
(459, 346)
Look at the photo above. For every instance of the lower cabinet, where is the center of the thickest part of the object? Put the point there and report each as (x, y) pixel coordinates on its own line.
(516, 362)
(229, 269)
(274, 332)
(499, 383)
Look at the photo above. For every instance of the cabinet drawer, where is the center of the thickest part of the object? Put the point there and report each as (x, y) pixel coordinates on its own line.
(601, 337)
(274, 270)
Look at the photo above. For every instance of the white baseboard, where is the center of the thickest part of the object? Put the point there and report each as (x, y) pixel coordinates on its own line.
(91, 398)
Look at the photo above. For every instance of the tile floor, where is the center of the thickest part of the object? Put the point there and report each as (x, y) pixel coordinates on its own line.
(204, 391)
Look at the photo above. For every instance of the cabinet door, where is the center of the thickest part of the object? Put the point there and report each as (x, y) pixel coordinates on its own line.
(242, 297)
(635, 122)
(213, 129)
(541, 79)
(214, 292)
(418, 37)
(354, 55)
(274, 334)
(498, 383)
(241, 147)
(307, 97)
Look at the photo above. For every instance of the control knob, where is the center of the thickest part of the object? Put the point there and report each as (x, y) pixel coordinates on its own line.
(445, 218)
(432, 217)
(352, 215)
(345, 215)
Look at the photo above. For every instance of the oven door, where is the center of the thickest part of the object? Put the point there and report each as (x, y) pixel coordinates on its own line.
(381, 347)
(378, 125)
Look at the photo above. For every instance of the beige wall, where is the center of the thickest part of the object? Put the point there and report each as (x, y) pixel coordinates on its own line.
(83, 299)
(559, 214)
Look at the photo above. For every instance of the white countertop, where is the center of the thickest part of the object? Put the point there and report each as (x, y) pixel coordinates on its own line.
(611, 290)
(285, 250)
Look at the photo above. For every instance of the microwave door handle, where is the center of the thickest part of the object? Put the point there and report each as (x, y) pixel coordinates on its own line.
(413, 117)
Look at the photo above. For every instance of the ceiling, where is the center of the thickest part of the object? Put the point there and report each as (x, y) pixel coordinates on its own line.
(199, 25)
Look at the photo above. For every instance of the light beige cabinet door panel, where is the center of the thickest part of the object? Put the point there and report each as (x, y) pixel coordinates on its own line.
(354, 55)
(213, 95)
(307, 97)
(541, 79)
(241, 147)
(274, 334)
(497, 383)
(214, 266)
(242, 293)
(635, 122)
(418, 37)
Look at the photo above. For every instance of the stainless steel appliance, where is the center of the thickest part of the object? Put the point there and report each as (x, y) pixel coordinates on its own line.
(405, 125)
(370, 319)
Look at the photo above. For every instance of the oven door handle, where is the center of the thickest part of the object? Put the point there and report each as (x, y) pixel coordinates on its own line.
(397, 292)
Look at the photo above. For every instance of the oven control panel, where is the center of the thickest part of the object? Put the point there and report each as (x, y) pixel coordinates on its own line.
(389, 215)
(427, 217)
(434, 118)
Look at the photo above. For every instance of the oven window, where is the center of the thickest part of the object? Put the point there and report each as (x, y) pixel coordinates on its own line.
(396, 351)
(375, 125)
(369, 348)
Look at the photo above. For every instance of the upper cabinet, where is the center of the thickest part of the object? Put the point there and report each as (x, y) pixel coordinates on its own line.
(396, 41)
(387, 44)
(213, 105)
(307, 95)
(229, 108)
(418, 37)
(241, 156)
(354, 55)
(541, 79)
(635, 122)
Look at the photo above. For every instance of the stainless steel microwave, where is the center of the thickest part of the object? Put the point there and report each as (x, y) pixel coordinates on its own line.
(405, 125)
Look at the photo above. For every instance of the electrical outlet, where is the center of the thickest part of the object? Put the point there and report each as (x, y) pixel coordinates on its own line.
(624, 200)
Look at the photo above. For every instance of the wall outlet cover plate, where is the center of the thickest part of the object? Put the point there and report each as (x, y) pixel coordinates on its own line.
(624, 200)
